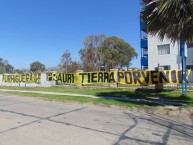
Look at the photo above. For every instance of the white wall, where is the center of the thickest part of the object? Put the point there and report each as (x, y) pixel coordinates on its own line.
(173, 59)
(190, 56)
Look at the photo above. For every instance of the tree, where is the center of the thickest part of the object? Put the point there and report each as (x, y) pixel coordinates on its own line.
(91, 54)
(2, 70)
(5, 67)
(169, 18)
(20, 71)
(37, 67)
(105, 52)
(9, 68)
(117, 53)
(65, 61)
(74, 67)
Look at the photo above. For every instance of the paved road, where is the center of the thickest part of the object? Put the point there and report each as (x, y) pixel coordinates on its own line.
(32, 121)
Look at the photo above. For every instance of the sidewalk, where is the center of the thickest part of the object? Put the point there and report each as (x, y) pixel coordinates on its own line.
(161, 102)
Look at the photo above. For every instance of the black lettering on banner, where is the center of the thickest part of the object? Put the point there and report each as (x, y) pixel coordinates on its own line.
(39, 78)
(27, 78)
(49, 76)
(82, 74)
(137, 76)
(128, 78)
(94, 77)
(72, 78)
(180, 76)
(120, 76)
(31, 78)
(100, 77)
(12, 79)
(173, 75)
(112, 77)
(20, 78)
(54, 77)
(106, 77)
(4, 80)
(17, 78)
(88, 77)
(23, 78)
(63, 77)
(59, 78)
(69, 78)
(145, 76)
(154, 75)
(9, 79)
(163, 77)
(36, 76)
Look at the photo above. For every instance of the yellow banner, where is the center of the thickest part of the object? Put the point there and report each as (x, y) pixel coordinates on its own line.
(150, 77)
(61, 77)
(22, 78)
(142, 77)
(82, 78)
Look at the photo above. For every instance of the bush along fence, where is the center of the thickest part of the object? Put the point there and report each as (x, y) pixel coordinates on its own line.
(133, 78)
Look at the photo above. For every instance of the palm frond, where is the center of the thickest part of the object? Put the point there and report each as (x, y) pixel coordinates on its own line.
(169, 18)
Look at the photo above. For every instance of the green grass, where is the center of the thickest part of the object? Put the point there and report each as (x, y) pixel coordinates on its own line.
(79, 99)
(87, 91)
(148, 94)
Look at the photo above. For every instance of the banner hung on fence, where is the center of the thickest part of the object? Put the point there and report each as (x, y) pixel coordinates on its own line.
(22, 78)
(142, 77)
(83, 77)
(150, 77)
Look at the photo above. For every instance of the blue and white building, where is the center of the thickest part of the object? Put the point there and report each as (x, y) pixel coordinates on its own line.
(165, 54)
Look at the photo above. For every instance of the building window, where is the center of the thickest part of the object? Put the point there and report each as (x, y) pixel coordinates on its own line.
(189, 67)
(163, 49)
(167, 67)
(190, 45)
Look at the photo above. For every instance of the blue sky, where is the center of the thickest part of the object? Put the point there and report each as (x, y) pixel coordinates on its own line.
(42, 30)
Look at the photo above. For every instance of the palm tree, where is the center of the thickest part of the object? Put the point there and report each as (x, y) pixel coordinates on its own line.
(172, 19)
(169, 18)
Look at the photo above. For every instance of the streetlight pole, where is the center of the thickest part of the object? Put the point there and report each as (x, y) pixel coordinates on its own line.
(184, 73)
